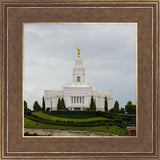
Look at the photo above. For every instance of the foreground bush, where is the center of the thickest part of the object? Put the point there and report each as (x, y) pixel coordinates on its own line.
(74, 123)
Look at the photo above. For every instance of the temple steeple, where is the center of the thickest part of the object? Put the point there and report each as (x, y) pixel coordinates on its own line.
(77, 94)
(78, 70)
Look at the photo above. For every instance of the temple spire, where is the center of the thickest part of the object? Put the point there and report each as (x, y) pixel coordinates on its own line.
(78, 52)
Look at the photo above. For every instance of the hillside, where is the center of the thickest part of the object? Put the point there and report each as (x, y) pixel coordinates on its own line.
(78, 120)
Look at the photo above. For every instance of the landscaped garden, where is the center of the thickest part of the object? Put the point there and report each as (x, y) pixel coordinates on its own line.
(92, 121)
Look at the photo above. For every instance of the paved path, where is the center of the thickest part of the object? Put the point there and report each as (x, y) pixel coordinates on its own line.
(51, 132)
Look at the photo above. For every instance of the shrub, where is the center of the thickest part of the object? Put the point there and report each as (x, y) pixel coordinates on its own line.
(36, 106)
(48, 109)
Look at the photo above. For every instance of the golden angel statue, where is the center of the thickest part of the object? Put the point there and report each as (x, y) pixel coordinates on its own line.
(78, 52)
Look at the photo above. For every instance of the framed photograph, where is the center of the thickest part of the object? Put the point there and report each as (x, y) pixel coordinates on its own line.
(80, 79)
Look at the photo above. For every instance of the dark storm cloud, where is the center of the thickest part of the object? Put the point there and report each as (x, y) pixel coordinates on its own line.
(108, 52)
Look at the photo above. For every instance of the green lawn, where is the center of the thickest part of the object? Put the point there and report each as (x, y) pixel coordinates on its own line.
(110, 129)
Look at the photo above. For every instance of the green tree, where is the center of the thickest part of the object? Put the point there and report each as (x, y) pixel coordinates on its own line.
(25, 105)
(92, 105)
(27, 111)
(130, 108)
(106, 105)
(59, 105)
(43, 104)
(129, 103)
(122, 111)
(63, 103)
(116, 107)
(36, 106)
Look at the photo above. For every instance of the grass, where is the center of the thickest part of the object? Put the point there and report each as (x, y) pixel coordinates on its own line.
(106, 129)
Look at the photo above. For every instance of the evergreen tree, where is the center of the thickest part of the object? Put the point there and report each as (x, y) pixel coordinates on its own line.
(25, 105)
(27, 111)
(43, 104)
(106, 105)
(59, 105)
(63, 103)
(116, 107)
(36, 106)
(92, 105)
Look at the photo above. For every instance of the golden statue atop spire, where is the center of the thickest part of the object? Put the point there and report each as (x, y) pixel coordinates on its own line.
(78, 52)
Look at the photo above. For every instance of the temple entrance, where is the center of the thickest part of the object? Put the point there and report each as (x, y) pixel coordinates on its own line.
(77, 109)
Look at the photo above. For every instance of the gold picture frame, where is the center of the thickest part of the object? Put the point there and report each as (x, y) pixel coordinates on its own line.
(145, 145)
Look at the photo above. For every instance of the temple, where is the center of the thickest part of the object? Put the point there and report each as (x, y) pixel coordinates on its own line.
(77, 94)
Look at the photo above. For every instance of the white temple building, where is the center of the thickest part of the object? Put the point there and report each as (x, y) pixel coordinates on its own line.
(77, 94)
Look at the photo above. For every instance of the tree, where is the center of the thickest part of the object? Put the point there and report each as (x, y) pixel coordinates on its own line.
(36, 106)
(130, 108)
(92, 105)
(43, 104)
(116, 107)
(106, 105)
(122, 111)
(129, 103)
(64, 106)
(27, 111)
(59, 104)
(25, 105)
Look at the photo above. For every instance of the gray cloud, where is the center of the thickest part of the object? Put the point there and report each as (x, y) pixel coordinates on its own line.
(108, 52)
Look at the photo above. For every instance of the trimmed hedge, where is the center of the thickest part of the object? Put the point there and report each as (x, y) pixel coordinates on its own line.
(112, 119)
(90, 114)
(73, 123)
(73, 114)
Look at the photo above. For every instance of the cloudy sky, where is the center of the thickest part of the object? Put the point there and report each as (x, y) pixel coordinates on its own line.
(108, 52)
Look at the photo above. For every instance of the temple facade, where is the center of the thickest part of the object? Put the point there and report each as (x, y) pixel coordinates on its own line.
(77, 94)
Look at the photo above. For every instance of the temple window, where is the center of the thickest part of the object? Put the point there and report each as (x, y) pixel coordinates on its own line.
(72, 99)
(78, 78)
